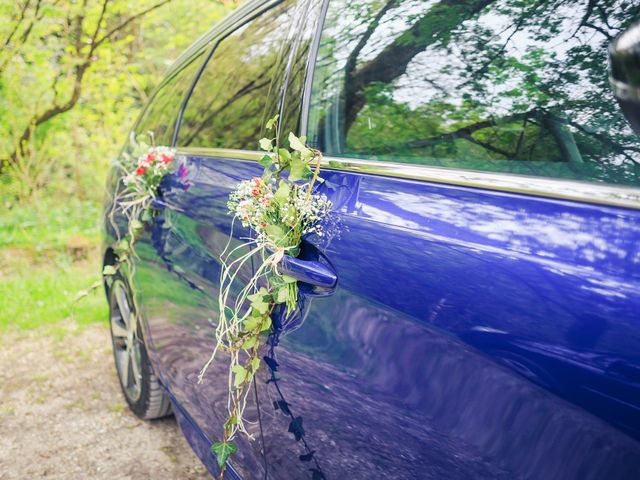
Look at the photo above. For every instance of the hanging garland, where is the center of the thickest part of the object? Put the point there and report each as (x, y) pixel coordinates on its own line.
(280, 207)
(142, 174)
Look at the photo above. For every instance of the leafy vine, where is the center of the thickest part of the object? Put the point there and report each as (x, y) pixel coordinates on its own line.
(142, 173)
(280, 207)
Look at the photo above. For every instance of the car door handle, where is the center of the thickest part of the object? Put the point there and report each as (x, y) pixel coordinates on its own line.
(311, 272)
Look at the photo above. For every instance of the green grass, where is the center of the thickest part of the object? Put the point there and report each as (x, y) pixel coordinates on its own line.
(44, 295)
(45, 227)
(49, 254)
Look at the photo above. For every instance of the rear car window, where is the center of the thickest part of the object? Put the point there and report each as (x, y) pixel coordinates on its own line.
(502, 86)
(159, 118)
(227, 106)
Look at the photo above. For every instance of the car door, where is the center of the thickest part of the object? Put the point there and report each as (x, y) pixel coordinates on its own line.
(177, 276)
(485, 239)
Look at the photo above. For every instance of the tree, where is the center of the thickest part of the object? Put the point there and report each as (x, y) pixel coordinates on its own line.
(83, 31)
(73, 76)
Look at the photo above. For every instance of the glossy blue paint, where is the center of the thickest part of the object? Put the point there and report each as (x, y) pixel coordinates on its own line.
(471, 334)
(198, 441)
(310, 272)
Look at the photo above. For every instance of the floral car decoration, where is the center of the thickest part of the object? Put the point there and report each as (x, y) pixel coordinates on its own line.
(279, 207)
(142, 175)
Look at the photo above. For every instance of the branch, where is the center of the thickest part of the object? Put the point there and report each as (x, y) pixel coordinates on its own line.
(468, 130)
(79, 73)
(122, 25)
(355, 53)
(21, 16)
(487, 146)
(27, 32)
(252, 86)
(98, 26)
(608, 141)
(78, 27)
(14, 49)
(393, 60)
(590, 6)
(599, 29)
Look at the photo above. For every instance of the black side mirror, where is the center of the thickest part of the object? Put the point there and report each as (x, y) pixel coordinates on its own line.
(624, 58)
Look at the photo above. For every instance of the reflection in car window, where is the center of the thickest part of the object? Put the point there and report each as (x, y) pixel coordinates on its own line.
(503, 85)
(160, 116)
(227, 105)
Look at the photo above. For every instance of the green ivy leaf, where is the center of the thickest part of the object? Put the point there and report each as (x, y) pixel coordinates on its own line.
(271, 122)
(222, 450)
(282, 193)
(109, 270)
(260, 300)
(307, 155)
(277, 234)
(265, 144)
(285, 156)
(231, 422)
(251, 323)
(261, 294)
(146, 215)
(297, 169)
(121, 247)
(136, 225)
(288, 279)
(266, 324)
(282, 295)
(266, 161)
(250, 342)
(276, 281)
(255, 364)
(297, 143)
(239, 375)
(262, 307)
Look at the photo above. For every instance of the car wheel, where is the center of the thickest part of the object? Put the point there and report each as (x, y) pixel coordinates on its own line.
(141, 388)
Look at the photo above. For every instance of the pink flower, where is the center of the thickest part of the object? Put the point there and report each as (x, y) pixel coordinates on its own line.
(141, 170)
(166, 158)
(151, 157)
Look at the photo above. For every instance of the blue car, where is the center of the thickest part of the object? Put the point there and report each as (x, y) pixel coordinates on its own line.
(473, 311)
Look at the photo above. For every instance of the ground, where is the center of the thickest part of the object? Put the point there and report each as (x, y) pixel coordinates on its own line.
(63, 416)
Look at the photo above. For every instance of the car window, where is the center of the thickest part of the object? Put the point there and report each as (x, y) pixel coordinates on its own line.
(503, 86)
(227, 106)
(160, 116)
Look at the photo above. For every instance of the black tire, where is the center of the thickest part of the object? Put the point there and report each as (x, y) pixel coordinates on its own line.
(140, 386)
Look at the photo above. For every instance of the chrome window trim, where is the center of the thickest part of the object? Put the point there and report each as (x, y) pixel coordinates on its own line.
(573, 190)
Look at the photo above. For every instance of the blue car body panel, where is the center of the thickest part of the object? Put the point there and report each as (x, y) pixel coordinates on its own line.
(471, 334)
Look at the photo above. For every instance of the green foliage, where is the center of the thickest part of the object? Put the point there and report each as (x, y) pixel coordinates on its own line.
(69, 153)
(51, 197)
(279, 210)
(222, 451)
